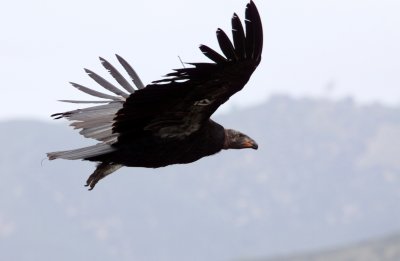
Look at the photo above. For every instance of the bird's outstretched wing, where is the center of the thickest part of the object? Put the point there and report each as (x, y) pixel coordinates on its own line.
(178, 105)
(97, 121)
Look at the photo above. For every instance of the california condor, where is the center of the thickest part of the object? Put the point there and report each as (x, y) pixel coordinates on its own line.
(168, 121)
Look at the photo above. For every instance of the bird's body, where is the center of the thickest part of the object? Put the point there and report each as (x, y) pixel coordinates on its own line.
(150, 152)
(168, 121)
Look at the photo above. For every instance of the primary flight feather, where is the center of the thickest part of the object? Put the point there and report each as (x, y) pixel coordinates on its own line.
(168, 121)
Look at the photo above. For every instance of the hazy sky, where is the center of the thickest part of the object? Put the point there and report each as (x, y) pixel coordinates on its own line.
(313, 48)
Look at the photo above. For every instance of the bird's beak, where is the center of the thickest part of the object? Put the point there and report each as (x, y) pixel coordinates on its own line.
(249, 143)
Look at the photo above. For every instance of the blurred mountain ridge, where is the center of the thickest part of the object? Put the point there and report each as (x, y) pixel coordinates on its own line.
(384, 249)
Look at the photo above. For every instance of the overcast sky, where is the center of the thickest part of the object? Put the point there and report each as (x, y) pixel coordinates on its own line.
(334, 48)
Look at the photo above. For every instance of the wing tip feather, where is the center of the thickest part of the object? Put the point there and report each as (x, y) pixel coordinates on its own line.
(253, 38)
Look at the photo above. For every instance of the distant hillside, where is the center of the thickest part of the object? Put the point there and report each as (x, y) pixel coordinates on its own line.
(386, 249)
(326, 174)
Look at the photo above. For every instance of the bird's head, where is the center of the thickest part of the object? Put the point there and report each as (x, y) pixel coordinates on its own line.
(237, 140)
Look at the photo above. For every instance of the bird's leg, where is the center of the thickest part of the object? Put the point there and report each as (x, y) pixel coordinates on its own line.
(102, 170)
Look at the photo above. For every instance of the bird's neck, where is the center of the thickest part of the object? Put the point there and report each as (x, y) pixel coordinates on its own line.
(226, 140)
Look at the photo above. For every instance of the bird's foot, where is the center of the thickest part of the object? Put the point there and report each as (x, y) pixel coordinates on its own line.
(92, 180)
(102, 170)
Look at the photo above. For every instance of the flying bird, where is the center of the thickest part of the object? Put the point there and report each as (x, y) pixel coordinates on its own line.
(167, 121)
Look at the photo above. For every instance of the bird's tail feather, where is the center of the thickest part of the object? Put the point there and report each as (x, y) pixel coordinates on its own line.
(82, 153)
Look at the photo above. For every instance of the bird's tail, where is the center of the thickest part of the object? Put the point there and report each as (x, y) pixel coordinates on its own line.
(82, 153)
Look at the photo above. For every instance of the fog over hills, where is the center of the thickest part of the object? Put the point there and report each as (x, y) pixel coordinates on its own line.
(326, 174)
(382, 249)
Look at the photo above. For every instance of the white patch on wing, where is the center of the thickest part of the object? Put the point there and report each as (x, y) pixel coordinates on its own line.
(203, 102)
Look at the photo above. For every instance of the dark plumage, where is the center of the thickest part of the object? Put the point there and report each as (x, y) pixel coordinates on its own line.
(168, 121)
